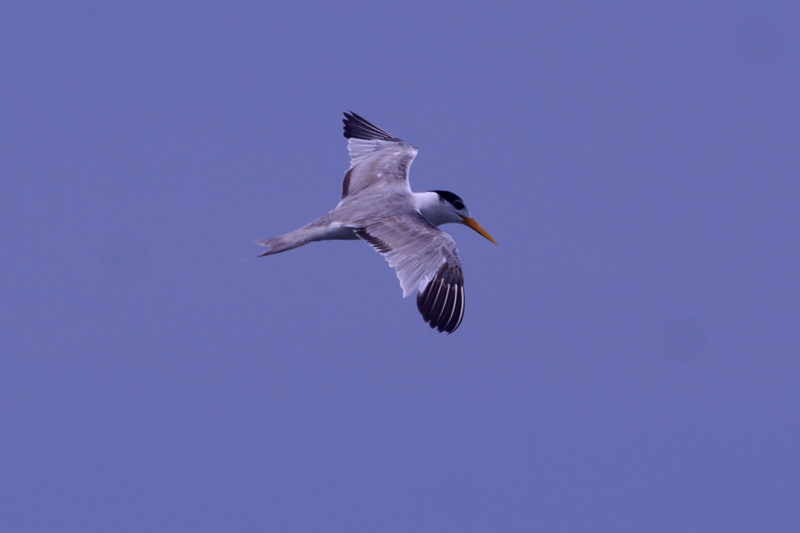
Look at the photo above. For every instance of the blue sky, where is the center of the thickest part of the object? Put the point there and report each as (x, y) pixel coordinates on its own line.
(628, 359)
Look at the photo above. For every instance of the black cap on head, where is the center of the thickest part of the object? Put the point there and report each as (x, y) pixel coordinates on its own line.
(451, 198)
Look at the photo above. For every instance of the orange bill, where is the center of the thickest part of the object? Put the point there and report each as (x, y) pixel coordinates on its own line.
(472, 223)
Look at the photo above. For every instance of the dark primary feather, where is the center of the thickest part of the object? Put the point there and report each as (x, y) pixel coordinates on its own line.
(356, 127)
(376, 157)
(420, 251)
(442, 301)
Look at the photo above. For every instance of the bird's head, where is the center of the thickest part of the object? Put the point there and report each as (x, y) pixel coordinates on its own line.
(451, 208)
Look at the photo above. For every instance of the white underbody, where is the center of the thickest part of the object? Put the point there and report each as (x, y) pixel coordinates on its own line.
(428, 203)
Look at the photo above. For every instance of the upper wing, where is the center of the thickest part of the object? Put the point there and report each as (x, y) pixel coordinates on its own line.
(425, 259)
(376, 157)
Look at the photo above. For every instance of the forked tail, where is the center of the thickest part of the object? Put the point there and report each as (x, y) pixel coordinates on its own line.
(318, 230)
(322, 229)
(276, 245)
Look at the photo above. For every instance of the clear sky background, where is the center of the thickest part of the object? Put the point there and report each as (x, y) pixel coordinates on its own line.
(629, 357)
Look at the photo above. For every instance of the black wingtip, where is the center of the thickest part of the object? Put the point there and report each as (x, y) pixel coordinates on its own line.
(357, 127)
(441, 303)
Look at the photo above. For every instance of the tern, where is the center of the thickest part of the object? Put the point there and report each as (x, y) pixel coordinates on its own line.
(379, 208)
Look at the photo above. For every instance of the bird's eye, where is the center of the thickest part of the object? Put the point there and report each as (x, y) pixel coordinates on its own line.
(458, 205)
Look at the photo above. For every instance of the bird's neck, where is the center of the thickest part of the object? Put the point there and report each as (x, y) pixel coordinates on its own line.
(431, 206)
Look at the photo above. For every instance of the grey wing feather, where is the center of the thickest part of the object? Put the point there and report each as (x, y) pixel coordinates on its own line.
(376, 157)
(426, 260)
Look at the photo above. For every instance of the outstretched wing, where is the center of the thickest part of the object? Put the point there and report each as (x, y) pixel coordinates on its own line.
(426, 260)
(376, 157)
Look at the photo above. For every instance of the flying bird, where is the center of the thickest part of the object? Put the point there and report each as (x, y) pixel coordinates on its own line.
(379, 208)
